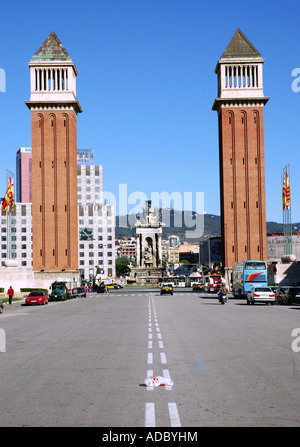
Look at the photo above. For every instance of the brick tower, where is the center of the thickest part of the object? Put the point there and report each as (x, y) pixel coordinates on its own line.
(54, 109)
(240, 105)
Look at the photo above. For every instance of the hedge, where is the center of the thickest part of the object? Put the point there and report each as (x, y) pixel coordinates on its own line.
(32, 289)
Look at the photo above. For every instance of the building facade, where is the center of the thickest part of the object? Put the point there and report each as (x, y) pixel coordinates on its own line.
(240, 107)
(126, 248)
(24, 175)
(96, 240)
(89, 184)
(16, 235)
(54, 110)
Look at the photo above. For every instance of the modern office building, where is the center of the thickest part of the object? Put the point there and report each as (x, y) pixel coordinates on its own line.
(89, 184)
(16, 235)
(23, 187)
(96, 240)
(96, 221)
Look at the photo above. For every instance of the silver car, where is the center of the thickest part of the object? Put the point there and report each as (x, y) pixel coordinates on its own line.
(261, 295)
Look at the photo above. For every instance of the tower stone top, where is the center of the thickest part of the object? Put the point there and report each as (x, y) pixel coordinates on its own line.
(240, 47)
(240, 73)
(51, 50)
(53, 77)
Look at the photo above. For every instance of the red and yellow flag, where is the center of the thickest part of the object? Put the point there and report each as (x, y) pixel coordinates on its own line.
(284, 192)
(9, 197)
(288, 194)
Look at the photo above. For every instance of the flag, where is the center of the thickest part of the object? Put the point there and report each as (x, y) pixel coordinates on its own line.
(284, 192)
(9, 197)
(287, 194)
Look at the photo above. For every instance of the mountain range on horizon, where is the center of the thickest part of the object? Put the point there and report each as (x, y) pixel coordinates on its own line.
(212, 225)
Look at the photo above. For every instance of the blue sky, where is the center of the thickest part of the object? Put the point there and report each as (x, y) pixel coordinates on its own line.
(146, 85)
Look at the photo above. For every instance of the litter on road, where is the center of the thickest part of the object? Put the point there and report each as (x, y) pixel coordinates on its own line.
(158, 381)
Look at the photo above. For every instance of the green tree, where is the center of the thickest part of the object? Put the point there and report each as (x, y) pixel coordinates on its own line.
(122, 266)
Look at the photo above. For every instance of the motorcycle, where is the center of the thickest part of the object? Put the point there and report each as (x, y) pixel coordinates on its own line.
(222, 298)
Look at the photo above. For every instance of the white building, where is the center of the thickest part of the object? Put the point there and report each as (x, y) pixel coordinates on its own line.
(89, 184)
(96, 240)
(16, 235)
(96, 221)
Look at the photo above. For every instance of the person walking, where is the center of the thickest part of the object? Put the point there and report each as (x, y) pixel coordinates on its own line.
(10, 294)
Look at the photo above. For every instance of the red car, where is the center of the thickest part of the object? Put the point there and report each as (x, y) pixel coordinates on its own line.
(37, 297)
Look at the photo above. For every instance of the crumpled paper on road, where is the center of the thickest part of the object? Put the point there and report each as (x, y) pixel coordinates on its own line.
(158, 381)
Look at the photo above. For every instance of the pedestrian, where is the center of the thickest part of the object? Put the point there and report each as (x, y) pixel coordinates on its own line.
(10, 294)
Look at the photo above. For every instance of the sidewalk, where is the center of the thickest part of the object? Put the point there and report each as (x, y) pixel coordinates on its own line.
(19, 298)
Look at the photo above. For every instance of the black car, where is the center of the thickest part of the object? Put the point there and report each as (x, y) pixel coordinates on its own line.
(102, 288)
(1, 306)
(291, 296)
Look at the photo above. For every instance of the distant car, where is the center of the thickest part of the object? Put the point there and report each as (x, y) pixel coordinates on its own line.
(114, 285)
(166, 289)
(81, 291)
(36, 297)
(1, 306)
(261, 295)
(291, 295)
(101, 288)
(198, 288)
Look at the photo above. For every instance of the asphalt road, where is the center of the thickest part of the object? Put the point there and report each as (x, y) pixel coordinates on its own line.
(82, 363)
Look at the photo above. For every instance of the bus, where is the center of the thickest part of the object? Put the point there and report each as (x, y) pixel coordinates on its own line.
(176, 281)
(212, 282)
(248, 274)
(194, 278)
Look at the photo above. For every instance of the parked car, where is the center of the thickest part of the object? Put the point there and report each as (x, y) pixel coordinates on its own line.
(280, 292)
(1, 306)
(81, 291)
(36, 297)
(166, 289)
(198, 288)
(261, 295)
(291, 295)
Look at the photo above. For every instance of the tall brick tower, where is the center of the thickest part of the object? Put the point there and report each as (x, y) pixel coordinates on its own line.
(240, 105)
(54, 109)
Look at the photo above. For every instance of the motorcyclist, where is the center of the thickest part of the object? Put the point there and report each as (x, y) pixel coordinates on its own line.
(223, 292)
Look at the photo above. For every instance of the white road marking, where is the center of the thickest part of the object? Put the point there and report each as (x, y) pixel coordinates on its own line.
(163, 358)
(174, 416)
(166, 374)
(150, 406)
(149, 414)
